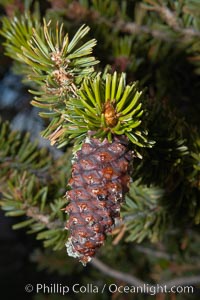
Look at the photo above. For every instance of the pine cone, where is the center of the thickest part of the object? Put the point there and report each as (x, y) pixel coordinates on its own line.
(100, 179)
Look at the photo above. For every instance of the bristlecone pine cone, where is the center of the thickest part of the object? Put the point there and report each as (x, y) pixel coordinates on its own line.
(100, 179)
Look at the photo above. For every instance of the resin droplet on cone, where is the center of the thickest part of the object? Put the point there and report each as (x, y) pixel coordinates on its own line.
(100, 179)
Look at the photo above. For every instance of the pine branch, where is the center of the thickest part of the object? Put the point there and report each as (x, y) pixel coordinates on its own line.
(47, 260)
(127, 278)
(29, 180)
(24, 196)
(152, 25)
(52, 62)
(35, 213)
(132, 280)
(171, 18)
(18, 153)
(182, 281)
(134, 28)
(143, 215)
(155, 253)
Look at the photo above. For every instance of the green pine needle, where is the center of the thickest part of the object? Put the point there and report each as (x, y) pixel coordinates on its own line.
(106, 107)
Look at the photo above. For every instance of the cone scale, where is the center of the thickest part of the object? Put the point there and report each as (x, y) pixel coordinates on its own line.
(100, 179)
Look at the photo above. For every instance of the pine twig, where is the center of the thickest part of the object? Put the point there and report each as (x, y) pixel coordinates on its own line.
(132, 280)
(181, 281)
(133, 28)
(172, 21)
(116, 274)
(35, 214)
(158, 254)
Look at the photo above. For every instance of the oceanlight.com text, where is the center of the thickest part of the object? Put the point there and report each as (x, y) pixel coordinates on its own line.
(58, 288)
